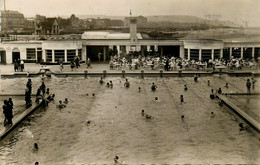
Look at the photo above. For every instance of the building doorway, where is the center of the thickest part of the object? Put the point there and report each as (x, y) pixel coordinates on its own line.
(16, 55)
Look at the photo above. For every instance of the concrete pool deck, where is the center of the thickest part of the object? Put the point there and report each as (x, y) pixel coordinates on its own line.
(97, 69)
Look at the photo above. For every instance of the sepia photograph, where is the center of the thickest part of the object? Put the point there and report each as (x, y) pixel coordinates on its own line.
(129, 82)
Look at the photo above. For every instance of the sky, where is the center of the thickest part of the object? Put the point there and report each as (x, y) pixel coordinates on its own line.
(240, 11)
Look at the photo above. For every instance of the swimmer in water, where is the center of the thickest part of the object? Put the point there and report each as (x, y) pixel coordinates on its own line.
(212, 114)
(226, 85)
(36, 146)
(142, 112)
(111, 84)
(156, 98)
(66, 101)
(148, 117)
(185, 87)
(61, 105)
(153, 87)
(182, 117)
(108, 85)
(101, 81)
(242, 127)
(116, 159)
(220, 91)
(127, 83)
(181, 99)
(196, 77)
(220, 102)
(93, 94)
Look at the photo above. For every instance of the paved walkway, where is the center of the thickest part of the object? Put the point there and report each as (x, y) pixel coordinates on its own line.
(99, 67)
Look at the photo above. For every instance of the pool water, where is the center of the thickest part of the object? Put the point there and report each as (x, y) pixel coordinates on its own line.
(118, 128)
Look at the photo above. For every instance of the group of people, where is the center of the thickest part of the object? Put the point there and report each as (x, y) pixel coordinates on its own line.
(8, 111)
(75, 63)
(18, 65)
(249, 84)
(174, 63)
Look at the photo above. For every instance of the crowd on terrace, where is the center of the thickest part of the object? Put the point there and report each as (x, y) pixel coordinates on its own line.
(173, 63)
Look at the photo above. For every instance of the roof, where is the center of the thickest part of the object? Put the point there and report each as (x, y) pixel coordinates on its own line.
(107, 35)
(10, 12)
(47, 24)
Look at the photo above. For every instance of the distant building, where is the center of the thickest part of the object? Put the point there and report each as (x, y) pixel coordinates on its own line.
(12, 20)
(30, 23)
(50, 26)
(141, 20)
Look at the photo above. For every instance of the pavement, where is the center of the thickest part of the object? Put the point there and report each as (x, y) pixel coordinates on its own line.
(99, 67)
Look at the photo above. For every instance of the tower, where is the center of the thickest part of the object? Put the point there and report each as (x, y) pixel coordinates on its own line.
(133, 29)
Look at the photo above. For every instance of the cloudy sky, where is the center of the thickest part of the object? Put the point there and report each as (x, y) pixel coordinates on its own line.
(234, 10)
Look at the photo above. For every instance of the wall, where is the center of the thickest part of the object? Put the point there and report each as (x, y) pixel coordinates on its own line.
(10, 46)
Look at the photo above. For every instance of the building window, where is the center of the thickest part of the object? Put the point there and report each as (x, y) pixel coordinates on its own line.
(80, 53)
(31, 53)
(71, 54)
(48, 55)
(206, 54)
(247, 53)
(236, 52)
(59, 54)
(226, 52)
(257, 53)
(194, 54)
(185, 53)
(216, 53)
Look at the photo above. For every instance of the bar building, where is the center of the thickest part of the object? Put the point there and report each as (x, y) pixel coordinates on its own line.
(91, 43)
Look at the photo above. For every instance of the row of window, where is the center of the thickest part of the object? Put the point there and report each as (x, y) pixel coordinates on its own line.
(61, 54)
(205, 54)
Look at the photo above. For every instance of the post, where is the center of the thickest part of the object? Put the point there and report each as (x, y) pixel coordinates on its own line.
(142, 74)
(230, 52)
(104, 53)
(181, 54)
(161, 51)
(221, 53)
(242, 53)
(212, 54)
(86, 73)
(66, 56)
(123, 73)
(161, 73)
(200, 55)
(253, 52)
(104, 72)
(53, 56)
(188, 54)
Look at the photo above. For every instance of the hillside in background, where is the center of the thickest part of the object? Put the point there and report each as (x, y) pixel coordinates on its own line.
(171, 19)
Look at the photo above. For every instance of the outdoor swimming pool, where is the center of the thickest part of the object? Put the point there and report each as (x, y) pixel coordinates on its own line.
(118, 128)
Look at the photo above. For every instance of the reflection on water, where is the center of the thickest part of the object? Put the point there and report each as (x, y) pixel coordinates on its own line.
(117, 127)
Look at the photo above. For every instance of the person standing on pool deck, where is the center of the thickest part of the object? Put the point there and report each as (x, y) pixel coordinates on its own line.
(42, 87)
(22, 65)
(248, 85)
(29, 85)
